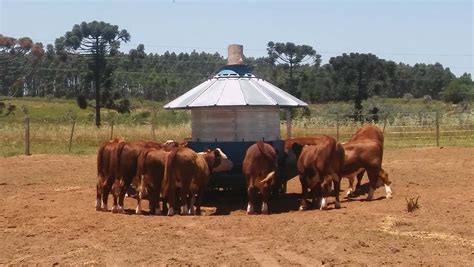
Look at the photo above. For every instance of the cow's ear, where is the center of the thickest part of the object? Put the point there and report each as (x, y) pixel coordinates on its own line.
(217, 154)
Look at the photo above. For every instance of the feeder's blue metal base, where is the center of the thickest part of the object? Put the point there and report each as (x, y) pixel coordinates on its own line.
(235, 151)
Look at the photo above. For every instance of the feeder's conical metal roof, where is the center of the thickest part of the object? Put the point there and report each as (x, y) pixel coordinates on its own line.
(234, 85)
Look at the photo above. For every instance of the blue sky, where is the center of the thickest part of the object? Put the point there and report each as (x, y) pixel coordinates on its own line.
(403, 31)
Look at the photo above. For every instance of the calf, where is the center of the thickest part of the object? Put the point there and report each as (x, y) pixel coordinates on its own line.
(105, 177)
(364, 153)
(319, 168)
(187, 172)
(259, 167)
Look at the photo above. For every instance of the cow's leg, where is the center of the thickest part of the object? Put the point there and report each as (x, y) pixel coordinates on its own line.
(360, 175)
(265, 191)
(384, 178)
(199, 198)
(98, 196)
(138, 209)
(304, 192)
(171, 199)
(192, 202)
(123, 187)
(337, 188)
(350, 191)
(184, 193)
(321, 194)
(153, 201)
(374, 181)
(251, 195)
(105, 195)
(116, 188)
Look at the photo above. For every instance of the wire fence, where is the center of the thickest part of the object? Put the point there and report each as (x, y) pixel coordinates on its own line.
(400, 130)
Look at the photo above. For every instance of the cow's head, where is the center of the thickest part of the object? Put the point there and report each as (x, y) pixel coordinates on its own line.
(216, 160)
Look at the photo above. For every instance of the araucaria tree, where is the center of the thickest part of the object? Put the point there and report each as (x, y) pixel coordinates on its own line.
(292, 56)
(97, 40)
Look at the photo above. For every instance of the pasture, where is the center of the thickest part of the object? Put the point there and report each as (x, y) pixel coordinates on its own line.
(48, 217)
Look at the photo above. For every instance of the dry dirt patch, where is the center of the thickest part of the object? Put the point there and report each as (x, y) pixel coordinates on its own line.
(48, 217)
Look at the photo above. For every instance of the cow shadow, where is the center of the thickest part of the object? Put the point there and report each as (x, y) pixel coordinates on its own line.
(226, 202)
(362, 190)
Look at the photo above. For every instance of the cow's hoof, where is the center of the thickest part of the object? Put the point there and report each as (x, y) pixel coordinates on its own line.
(324, 204)
(251, 213)
(265, 212)
(120, 209)
(138, 212)
(114, 209)
(303, 208)
(337, 205)
(170, 212)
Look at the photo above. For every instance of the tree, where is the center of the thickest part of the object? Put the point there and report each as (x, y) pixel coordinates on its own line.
(292, 56)
(358, 75)
(14, 56)
(96, 40)
(458, 90)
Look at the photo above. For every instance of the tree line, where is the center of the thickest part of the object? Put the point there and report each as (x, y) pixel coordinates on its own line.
(86, 64)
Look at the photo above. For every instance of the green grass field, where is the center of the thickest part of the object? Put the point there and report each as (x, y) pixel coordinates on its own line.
(407, 123)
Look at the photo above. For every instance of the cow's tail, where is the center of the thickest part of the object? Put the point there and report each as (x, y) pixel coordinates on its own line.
(141, 170)
(168, 182)
(115, 160)
(270, 178)
(100, 161)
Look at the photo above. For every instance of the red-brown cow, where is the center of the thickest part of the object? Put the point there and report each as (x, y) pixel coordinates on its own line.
(364, 153)
(260, 169)
(105, 177)
(187, 172)
(319, 168)
(150, 173)
(124, 166)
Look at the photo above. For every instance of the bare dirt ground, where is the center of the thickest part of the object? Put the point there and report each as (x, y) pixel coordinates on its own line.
(48, 217)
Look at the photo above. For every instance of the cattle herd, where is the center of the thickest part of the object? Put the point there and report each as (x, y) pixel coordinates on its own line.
(177, 176)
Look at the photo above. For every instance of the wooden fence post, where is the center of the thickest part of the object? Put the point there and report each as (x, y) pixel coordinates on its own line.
(27, 135)
(288, 124)
(72, 134)
(112, 130)
(437, 128)
(337, 127)
(153, 134)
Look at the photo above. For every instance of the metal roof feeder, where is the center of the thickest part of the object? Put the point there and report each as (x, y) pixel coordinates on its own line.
(232, 111)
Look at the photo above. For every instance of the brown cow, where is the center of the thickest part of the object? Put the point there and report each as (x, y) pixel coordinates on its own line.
(150, 173)
(105, 178)
(188, 172)
(319, 168)
(364, 153)
(124, 166)
(260, 169)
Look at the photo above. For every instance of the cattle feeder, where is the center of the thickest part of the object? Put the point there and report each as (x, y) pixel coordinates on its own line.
(232, 111)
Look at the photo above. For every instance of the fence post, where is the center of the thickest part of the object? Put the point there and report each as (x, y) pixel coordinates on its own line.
(27, 135)
(72, 134)
(152, 125)
(288, 124)
(337, 127)
(153, 131)
(112, 130)
(384, 123)
(437, 128)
